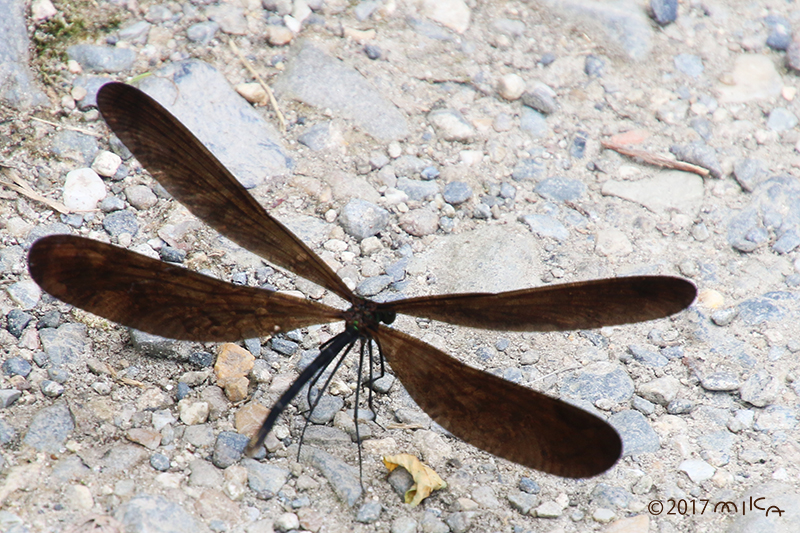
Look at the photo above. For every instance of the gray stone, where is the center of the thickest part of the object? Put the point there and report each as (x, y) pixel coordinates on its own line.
(362, 219)
(420, 222)
(49, 428)
(781, 119)
(65, 344)
(374, 285)
(17, 88)
(689, 64)
(749, 173)
(98, 58)
(776, 418)
(717, 447)
(202, 99)
(264, 479)
(697, 470)
(664, 11)
(664, 193)
(661, 390)
(417, 189)
(202, 32)
(24, 293)
(451, 125)
(322, 81)
(120, 222)
(326, 409)
(8, 397)
(369, 512)
(17, 320)
(680, 407)
(457, 192)
(637, 435)
(755, 311)
(601, 380)
(527, 169)
(342, 477)
(560, 189)
(760, 389)
(611, 497)
(159, 462)
(228, 448)
(545, 226)
(541, 98)
(647, 357)
(155, 345)
(533, 123)
(155, 514)
(720, 381)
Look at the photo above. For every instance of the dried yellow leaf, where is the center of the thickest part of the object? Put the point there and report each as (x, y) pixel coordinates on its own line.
(425, 479)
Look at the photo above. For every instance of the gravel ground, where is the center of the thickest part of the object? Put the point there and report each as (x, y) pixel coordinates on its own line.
(430, 147)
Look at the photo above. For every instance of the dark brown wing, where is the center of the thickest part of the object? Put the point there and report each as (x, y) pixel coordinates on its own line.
(505, 419)
(581, 305)
(162, 299)
(191, 173)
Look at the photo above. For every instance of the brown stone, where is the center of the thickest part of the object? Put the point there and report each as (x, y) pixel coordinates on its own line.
(149, 438)
(249, 418)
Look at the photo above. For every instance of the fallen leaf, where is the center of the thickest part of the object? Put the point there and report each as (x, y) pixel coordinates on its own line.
(425, 479)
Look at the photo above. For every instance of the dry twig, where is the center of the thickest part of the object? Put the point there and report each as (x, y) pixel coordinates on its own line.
(656, 160)
(19, 185)
(273, 102)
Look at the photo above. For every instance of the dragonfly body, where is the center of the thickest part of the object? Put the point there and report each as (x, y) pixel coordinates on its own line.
(503, 418)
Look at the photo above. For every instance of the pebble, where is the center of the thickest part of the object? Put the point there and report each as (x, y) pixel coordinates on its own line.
(319, 80)
(667, 191)
(511, 86)
(51, 389)
(680, 407)
(418, 190)
(120, 222)
(460, 522)
(286, 522)
(522, 502)
(689, 64)
(110, 204)
(664, 11)
(369, 513)
(65, 344)
(760, 389)
(545, 226)
(541, 98)
(16, 321)
(775, 418)
(594, 66)
(645, 407)
(361, 219)
(192, 412)
(140, 196)
(419, 222)
(404, 524)
(155, 514)
(343, 478)
(611, 497)
(749, 173)
(646, 356)
(160, 462)
(8, 397)
(49, 428)
(97, 58)
(283, 346)
(720, 381)
(637, 435)
(79, 147)
(560, 189)
(83, 189)
(781, 119)
(106, 163)
(228, 448)
(149, 438)
(457, 192)
(202, 32)
(660, 390)
(233, 365)
(697, 470)
(717, 447)
(154, 345)
(533, 123)
(451, 125)
(754, 77)
(780, 33)
(265, 480)
(374, 285)
(601, 380)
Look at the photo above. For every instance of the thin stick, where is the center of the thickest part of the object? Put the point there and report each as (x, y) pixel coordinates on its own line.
(273, 102)
(21, 186)
(73, 128)
(655, 159)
